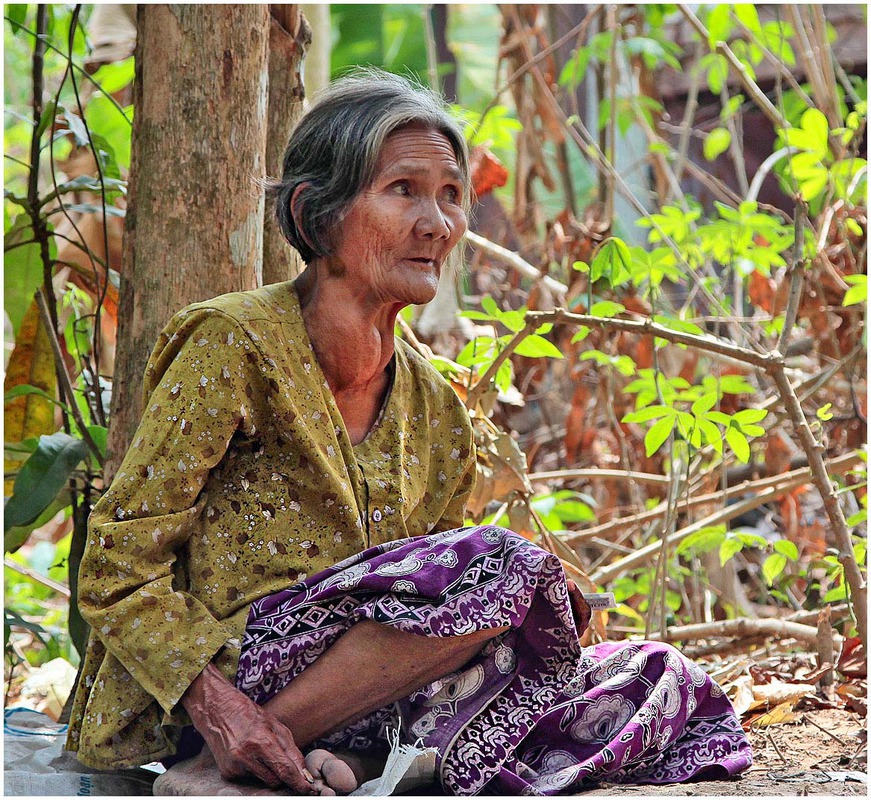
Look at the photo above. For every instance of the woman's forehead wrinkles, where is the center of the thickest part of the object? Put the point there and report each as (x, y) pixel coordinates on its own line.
(412, 168)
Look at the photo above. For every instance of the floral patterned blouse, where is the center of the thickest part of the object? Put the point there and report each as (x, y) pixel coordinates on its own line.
(241, 480)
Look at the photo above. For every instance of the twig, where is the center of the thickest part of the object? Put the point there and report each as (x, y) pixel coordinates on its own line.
(429, 40)
(604, 474)
(806, 617)
(33, 575)
(744, 628)
(483, 382)
(750, 86)
(409, 335)
(825, 647)
(65, 378)
(806, 718)
(843, 540)
(808, 60)
(765, 167)
(796, 276)
(514, 260)
(776, 748)
(647, 327)
(689, 113)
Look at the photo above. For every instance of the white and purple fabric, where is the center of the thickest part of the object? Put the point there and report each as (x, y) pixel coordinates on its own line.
(534, 712)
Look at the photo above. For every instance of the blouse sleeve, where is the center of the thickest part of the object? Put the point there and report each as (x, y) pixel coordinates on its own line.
(200, 380)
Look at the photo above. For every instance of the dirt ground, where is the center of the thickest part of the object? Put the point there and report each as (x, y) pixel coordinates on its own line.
(811, 756)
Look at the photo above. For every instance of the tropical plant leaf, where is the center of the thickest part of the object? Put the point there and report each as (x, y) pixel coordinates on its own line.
(31, 364)
(42, 477)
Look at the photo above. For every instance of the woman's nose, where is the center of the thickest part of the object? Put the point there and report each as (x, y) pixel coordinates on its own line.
(432, 222)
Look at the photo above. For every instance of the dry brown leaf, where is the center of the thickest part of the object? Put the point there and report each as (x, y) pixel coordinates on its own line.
(777, 716)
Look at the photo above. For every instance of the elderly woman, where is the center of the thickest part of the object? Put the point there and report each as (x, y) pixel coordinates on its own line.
(280, 567)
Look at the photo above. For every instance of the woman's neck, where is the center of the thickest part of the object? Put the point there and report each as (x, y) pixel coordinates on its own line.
(353, 340)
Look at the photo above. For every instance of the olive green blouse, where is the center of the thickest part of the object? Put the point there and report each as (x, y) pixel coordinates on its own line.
(241, 480)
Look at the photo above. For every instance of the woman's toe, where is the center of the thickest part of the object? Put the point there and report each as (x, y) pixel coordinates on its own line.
(332, 775)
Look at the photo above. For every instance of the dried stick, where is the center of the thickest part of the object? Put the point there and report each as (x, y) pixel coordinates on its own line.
(35, 576)
(796, 275)
(514, 260)
(689, 114)
(778, 628)
(620, 474)
(823, 483)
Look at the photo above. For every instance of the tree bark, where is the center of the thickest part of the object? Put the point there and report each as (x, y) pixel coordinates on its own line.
(194, 225)
(289, 37)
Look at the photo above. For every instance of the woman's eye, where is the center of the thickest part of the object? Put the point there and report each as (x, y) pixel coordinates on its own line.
(402, 189)
(452, 193)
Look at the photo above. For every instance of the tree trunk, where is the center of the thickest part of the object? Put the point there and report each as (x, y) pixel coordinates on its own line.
(289, 37)
(194, 224)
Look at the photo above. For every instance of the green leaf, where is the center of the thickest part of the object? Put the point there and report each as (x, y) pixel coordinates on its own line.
(716, 142)
(574, 511)
(749, 415)
(48, 114)
(712, 434)
(738, 442)
(537, 347)
(612, 260)
(719, 25)
(704, 404)
(728, 548)
(18, 535)
(748, 15)
(489, 305)
(42, 476)
(658, 433)
(823, 413)
(583, 333)
(25, 389)
(772, 567)
(647, 414)
(787, 549)
(17, 13)
(703, 541)
(749, 539)
(858, 292)
(576, 67)
(100, 436)
(680, 325)
(607, 308)
(836, 594)
(114, 77)
(814, 122)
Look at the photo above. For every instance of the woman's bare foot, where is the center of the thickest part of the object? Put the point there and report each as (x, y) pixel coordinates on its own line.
(341, 772)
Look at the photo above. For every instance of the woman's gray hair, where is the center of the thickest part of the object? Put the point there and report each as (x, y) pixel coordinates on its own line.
(333, 151)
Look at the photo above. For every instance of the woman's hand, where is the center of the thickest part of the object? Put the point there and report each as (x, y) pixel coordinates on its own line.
(244, 738)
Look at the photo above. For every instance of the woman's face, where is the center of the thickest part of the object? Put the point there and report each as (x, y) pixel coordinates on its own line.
(399, 230)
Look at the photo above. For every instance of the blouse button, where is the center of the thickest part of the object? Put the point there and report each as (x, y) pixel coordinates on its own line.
(376, 515)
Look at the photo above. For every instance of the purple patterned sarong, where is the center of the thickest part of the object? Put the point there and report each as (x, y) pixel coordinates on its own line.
(534, 712)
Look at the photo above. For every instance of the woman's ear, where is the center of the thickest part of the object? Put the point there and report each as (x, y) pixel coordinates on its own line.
(297, 212)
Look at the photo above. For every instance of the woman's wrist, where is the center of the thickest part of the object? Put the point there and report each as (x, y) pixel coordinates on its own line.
(208, 691)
